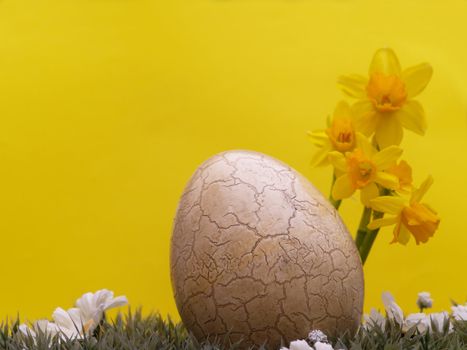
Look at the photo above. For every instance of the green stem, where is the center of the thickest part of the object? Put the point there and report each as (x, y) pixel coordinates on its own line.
(369, 239)
(336, 203)
(362, 230)
(364, 244)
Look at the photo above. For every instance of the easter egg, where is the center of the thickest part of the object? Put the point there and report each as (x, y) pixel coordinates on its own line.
(258, 254)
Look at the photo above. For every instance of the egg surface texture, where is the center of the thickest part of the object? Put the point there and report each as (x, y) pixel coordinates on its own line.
(258, 253)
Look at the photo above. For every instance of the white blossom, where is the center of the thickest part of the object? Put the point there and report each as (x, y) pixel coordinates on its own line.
(438, 320)
(75, 323)
(40, 326)
(300, 345)
(418, 319)
(393, 310)
(424, 300)
(374, 319)
(459, 312)
(323, 346)
(93, 305)
(70, 323)
(317, 336)
(49, 329)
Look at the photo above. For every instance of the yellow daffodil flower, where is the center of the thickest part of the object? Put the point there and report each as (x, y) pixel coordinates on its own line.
(339, 136)
(403, 171)
(362, 169)
(386, 103)
(411, 217)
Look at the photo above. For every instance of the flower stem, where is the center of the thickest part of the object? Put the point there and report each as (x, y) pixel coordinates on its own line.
(336, 203)
(362, 230)
(365, 237)
(370, 236)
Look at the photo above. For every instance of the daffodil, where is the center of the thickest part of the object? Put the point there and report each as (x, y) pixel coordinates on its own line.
(409, 217)
(403, 171)
(362, 169)
(386, 98)
(339, 136)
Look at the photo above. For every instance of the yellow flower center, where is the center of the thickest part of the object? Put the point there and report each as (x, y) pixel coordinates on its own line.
(420, 220)
(342, 134)
(387, 92)
(362, 170)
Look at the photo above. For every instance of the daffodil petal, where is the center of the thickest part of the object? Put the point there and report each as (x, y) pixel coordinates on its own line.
(321, 155)
(387, 180)
(342, 188)
(364, 144)
(353, 85)
(418, 194)
(404, 235)
(385, 61)
(377, 223)
(387, 157)
(338, 161)
(368, 193)
(396, 231)
(365, 117)
(412, 117)
(318, 137)
(416, 78)
(388, 131)
(388, 204)
(342, 110)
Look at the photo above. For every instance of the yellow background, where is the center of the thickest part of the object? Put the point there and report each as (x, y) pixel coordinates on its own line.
(108, 106)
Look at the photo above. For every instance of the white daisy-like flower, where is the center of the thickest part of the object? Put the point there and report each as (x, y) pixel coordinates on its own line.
(459, 312)
(70, 323)
(424, 300)
(323, 346)
(317, 336)
(93, 305)
(76, 323)
(418, 319)
(374, 319)
(300, 345)
(40, 326)
(438, 320)
(393, 310)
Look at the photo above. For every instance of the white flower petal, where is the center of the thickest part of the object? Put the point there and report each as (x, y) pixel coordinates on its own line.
(392, 309)
(23, 328)
(438, 320)
(424, 300)
(459, 312)
(116, 302)
(418, 319)
(323, 346)
(374, 319)
(300, 345)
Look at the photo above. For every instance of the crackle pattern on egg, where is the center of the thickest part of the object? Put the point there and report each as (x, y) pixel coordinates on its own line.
(258, 253)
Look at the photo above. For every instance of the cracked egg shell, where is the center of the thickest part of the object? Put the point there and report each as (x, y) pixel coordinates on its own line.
(258, 253)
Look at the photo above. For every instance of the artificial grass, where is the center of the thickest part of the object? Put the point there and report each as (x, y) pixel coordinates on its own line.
(135, 331)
